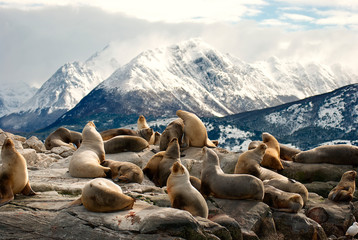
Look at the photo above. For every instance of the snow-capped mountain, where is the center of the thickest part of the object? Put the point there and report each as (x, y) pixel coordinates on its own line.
(12, 98)
(323, 119)
(194, 76)
(61, 92)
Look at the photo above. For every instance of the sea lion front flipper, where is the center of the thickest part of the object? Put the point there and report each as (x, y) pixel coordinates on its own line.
(6, 193)
(28, 190)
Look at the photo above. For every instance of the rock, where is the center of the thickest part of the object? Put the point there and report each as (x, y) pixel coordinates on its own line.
(321, 188)
(230, 224)
(307, 173)
(298, 226)
(17, 139)
(254, 217)
(335, 218)
(34, 143)
(63, 151)
(30, 155)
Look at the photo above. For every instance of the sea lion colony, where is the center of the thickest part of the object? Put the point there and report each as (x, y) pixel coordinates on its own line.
(262, 183)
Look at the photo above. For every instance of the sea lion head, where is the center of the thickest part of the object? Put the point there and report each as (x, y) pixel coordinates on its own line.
(178, 169)
(8, 143)
(349, 175)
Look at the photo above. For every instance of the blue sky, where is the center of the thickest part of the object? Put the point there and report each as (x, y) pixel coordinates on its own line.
(39, 36)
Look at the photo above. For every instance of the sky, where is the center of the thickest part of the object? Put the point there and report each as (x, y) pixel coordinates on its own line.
(39, 36)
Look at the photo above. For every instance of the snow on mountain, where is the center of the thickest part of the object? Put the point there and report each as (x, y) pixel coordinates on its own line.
(12, 98)
(330, 118)
(61, 92)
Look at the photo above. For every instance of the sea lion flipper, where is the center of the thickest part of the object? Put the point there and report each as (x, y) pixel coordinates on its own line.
(179, 202)
(6, 193)
(123, 179)
(28, 190)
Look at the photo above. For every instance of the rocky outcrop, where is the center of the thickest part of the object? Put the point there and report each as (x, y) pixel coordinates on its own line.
(49, 215)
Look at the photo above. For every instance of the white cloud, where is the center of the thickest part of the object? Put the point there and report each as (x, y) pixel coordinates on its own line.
(297, 17)
(334, 17)
(352, 4)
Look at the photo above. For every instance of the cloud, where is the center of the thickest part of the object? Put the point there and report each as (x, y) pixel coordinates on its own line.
(34, 44)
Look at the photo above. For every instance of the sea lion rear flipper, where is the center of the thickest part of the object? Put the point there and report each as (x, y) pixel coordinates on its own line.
(6, 193)
(28, 190)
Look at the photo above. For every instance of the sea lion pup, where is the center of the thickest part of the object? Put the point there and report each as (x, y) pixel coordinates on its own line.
(171, 155)
(126, 172)
(282, 201)
(125, 143)
(195, 134)
(145, 133)
(63, 137)
(228, 186)
(182, 194)
(249, 163)
(335, 154)
(85, 162)
(151, 168)
(343, 192)
(271, 158)
(14, 177)
(175, 129)
(102, 195)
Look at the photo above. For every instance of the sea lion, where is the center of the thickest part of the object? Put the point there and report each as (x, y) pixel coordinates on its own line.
(195, 182)
(249, 163)
(124, 171)
(282, 201)
(125, 143)
(287, 153)
(195, 134)
(145, 133)
(171, 155)
(343, 192)
(182, 194)
(151, 168)
(334, 154)
(157, 136)
(229, 186)
(175, 129)
(271, 158)
(14, 177)
(63, 137)
(142, 123)
(85, 162)
(102, 195)
(254, 144)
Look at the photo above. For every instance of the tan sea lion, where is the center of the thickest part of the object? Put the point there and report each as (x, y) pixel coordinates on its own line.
(254, 144)
(281, 200)
(171, 155)
(157, 136)
(195, 182)
(249, 163)
(124, 171)
(229, 186)
(195, 134)
(63, 137)
(271, 158)
(13, 173)
(142, 123)
(125, 143)
(344, 191)
(175, 129)
(145, 133)
(335, 154)
(102, 195)
(182, 194)
(85, 162)
(151, 168)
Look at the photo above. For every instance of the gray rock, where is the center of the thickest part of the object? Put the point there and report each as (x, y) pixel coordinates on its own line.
(34, 143)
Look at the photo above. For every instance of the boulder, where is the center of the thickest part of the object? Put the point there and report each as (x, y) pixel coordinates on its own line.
(34, 143)
(63, 151)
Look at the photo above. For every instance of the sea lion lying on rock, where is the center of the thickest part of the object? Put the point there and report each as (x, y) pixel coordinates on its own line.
(126, 172)
(63, 137)
(145, 133)
(125, 143)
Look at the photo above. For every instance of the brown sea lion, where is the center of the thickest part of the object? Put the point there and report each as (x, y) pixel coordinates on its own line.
(175, 129)
(249, 163)
(344, 191)
(151, 168)
(85, 162)
(271, 158)
(125, 143)
(145, 133)
(281, 200)
(102, 195)
(157, 136)
(182, 194)
(14, 177)
(171, 155)
(126, 172)
(334, 154)
(287, 153)
(229, 186)
(195, 134)
(63, 137)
